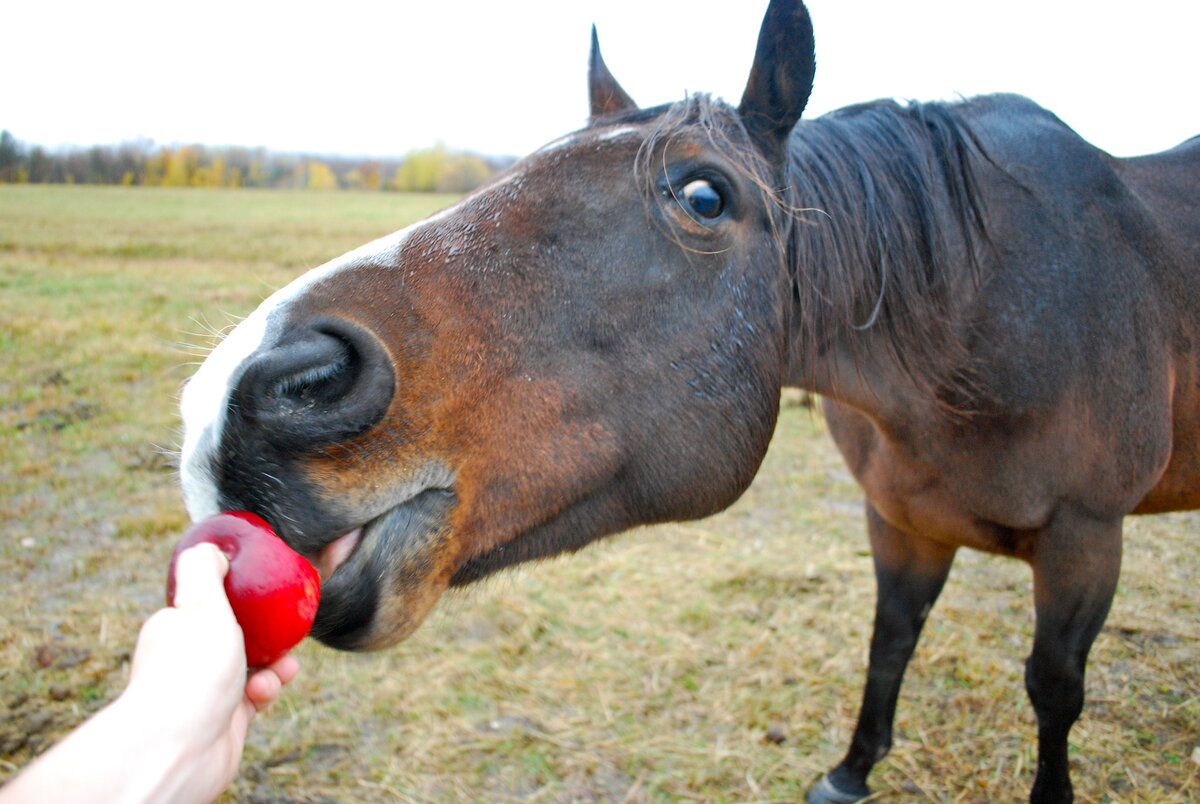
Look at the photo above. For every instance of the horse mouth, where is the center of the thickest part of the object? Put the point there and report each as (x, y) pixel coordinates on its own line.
(334, 554)
(368, 567)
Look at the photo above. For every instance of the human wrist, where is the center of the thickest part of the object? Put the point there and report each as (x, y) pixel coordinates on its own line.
(157, 753)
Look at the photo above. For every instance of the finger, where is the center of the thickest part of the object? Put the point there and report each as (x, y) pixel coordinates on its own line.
(263, 688)
(199, 573)
(286, 668)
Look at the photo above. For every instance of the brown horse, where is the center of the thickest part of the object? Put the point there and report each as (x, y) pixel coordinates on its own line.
(1003, 319)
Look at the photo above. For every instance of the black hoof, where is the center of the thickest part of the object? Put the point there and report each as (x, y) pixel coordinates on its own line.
(824, 792)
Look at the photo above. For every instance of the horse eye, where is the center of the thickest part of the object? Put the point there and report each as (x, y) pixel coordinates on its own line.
(704, 199)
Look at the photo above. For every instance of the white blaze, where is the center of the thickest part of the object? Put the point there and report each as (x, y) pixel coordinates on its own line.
(206, 395)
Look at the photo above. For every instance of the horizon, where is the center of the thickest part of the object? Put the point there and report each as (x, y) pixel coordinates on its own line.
(154, 145)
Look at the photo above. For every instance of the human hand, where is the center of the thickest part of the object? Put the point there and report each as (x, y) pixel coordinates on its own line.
(189, 680)
(176, 732)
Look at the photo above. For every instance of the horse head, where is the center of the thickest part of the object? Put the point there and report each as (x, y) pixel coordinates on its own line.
(594, 340)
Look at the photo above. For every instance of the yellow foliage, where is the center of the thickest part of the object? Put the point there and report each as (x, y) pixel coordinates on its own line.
(321, 176)
(419, 171)
(180, 167)
(156, 168)
(461, 174)
(364, 177)
(437, 168)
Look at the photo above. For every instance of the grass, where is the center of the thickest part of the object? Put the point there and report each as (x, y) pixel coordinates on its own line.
(648, 668)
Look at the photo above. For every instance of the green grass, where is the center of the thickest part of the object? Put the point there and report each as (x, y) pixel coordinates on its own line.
(647, 668)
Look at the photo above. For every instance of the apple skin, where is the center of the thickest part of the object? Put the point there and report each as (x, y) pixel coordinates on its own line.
(272, 589)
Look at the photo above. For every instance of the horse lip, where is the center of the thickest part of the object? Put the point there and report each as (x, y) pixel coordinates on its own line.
(378, 571)
(337, 552)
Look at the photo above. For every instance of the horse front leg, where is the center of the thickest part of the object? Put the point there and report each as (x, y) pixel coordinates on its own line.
(909, 573)
(1076, 562)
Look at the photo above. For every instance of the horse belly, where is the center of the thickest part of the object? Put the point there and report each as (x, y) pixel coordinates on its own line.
(948, 506)
(1178, 487)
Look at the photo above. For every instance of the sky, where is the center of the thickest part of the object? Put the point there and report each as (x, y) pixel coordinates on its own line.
(379, 78)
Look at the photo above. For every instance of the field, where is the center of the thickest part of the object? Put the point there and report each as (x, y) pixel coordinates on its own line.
(715, 661)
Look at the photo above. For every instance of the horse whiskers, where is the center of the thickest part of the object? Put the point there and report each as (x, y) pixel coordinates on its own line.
(193, 349)
(209, 330)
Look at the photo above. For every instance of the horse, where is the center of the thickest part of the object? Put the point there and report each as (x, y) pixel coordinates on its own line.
(1002, 322)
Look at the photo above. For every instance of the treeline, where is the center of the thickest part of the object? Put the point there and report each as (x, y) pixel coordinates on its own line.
(142, 162)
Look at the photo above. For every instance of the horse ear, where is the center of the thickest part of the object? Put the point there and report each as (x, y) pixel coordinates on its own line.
(606, 94)
(781, 78)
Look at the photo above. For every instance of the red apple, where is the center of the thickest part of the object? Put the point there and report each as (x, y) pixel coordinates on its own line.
(272, 589)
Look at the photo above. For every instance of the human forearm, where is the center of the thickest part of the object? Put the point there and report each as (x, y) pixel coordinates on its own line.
(176, 733)
(117, 756)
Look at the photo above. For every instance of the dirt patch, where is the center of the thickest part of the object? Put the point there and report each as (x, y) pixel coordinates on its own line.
(58, 417)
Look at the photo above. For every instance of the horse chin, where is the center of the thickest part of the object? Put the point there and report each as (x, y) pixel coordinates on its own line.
(381, 579)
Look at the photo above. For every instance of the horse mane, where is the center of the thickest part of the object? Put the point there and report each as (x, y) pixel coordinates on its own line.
(887, 238)
(880, 222)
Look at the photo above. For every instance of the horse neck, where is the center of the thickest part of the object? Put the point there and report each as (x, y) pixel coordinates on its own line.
(884, 253)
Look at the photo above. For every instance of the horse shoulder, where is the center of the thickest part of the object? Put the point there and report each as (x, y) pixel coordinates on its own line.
(1083, 280)
(1124, 270)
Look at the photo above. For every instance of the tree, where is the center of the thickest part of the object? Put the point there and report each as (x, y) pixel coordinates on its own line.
(179, 167)
(419, 171)
(320, 176)
(462, 173)
(141, 162)
(38, 165)
(156, 168)
(10, 156)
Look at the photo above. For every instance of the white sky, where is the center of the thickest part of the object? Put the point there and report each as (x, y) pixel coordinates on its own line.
(383, 76)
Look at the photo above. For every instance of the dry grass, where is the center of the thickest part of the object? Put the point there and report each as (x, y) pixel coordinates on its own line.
(647, 668)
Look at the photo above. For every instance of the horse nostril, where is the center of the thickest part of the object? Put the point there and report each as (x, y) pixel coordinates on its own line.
(318, 370)
(320, 383)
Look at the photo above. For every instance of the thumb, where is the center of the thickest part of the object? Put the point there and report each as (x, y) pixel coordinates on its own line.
(199, 577)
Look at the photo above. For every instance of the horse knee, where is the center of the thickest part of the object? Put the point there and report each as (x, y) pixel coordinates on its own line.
(1055, 687)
